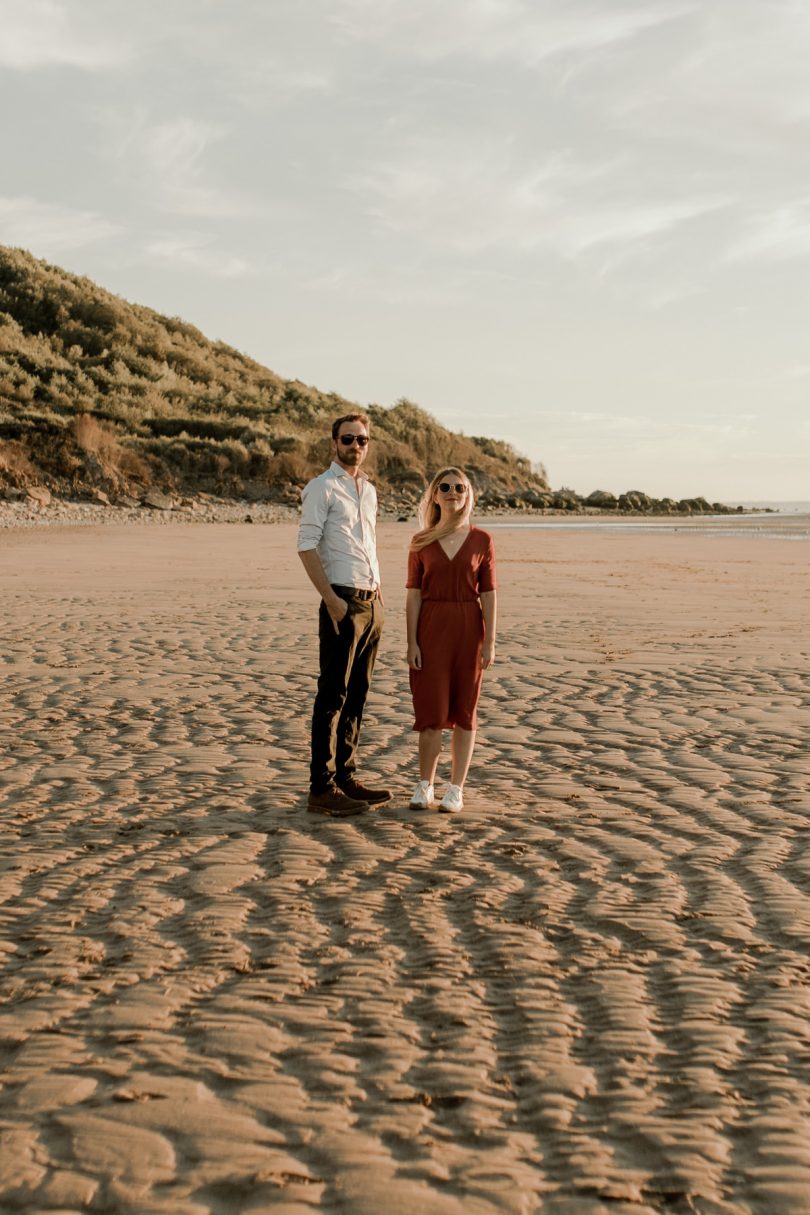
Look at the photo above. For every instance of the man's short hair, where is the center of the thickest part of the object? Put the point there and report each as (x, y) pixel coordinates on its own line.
(349, 417)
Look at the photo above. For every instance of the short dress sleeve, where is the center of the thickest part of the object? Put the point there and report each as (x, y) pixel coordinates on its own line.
(487, 580)
(416, 571)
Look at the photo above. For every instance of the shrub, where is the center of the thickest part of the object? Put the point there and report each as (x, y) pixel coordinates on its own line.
(114, 462)
(291, 466)
(15, 464)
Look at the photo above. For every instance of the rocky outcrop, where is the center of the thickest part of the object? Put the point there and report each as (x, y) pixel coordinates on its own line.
(601, 501)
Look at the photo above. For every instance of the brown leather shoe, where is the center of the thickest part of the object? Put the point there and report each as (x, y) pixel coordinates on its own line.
(353, 788)
(335, 804)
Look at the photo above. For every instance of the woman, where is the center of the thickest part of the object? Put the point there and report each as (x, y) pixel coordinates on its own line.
(450, 613)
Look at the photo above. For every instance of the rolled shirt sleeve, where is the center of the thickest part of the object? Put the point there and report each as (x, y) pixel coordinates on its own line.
(314, 509)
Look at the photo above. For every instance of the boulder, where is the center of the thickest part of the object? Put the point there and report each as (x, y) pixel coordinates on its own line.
(694, 506)
(158, 501)
(565, 499)
(602, 498)
(635, 500)
(536, 500)
(38, 494)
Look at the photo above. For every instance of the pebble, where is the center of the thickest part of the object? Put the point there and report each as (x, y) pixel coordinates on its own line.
(67, 513)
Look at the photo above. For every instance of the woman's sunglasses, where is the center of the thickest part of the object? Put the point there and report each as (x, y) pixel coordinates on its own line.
(347, 440)
(445, 487)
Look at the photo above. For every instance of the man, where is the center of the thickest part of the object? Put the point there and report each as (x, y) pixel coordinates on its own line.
(337, 545)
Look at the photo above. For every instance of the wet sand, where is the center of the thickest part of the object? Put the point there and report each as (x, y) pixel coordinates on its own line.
(587, 994)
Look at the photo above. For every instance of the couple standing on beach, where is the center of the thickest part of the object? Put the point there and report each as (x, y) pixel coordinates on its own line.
(450, 614)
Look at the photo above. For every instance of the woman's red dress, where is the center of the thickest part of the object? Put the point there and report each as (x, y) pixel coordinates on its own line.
(450, 631)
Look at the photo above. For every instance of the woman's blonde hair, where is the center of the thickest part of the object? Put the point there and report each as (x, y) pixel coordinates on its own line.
(429, 513)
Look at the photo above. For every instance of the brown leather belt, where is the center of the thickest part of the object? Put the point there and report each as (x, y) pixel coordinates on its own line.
(353, 592)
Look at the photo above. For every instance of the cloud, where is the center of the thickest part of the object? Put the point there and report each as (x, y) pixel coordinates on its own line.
(775, 235)
(685, 111)
(40, 33)
(169, 159)
(175, 148)
(362, 281)
(488, 30)
(735, 82)
(47, 229)
(194, 251)
(690, 107)
(478, 197)
(641, 426)
(625, 223)
(269, 80)
(173, 152)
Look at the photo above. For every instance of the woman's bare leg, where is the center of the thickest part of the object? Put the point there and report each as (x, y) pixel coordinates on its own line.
(430, 746)
(461, 752)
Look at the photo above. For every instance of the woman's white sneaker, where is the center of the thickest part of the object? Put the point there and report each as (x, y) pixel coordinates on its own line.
(452, 799)
(423, 796)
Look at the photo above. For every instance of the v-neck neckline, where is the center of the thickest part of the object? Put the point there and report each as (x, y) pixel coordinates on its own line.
(460, 547)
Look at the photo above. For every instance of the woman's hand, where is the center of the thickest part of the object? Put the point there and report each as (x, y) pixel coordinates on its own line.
(488, 654)
(415, 657)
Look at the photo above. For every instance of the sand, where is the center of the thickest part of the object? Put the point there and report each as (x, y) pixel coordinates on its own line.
(588, 994)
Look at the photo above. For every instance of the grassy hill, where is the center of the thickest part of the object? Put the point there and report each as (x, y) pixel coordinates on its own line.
(99, 394)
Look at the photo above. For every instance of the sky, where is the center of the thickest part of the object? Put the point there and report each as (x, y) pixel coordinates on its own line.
(582, 226)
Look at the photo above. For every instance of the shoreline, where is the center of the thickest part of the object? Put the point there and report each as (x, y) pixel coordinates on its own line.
(69, 513)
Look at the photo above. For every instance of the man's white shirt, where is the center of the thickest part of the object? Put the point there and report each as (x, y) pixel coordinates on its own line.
(339, 520)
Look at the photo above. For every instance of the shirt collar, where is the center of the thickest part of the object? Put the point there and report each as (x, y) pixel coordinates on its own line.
(338, 471)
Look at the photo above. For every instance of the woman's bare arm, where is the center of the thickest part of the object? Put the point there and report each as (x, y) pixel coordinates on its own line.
(489, 606)
(413, 606)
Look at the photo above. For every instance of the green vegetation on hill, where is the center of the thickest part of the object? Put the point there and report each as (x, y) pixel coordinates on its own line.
(100, 394)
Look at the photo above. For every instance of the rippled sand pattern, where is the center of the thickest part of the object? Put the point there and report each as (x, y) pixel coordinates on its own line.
(588, 994)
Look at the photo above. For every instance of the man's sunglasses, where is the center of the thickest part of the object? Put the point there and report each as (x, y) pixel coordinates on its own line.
(347, 440)
(445, 487)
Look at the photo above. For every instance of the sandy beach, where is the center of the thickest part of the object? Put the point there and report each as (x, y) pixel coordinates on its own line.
(588, 994)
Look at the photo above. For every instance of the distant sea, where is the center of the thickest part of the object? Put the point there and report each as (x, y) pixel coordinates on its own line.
(787, 508)
(789, 521)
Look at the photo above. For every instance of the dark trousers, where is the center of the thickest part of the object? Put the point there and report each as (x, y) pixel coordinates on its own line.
(347, 661)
